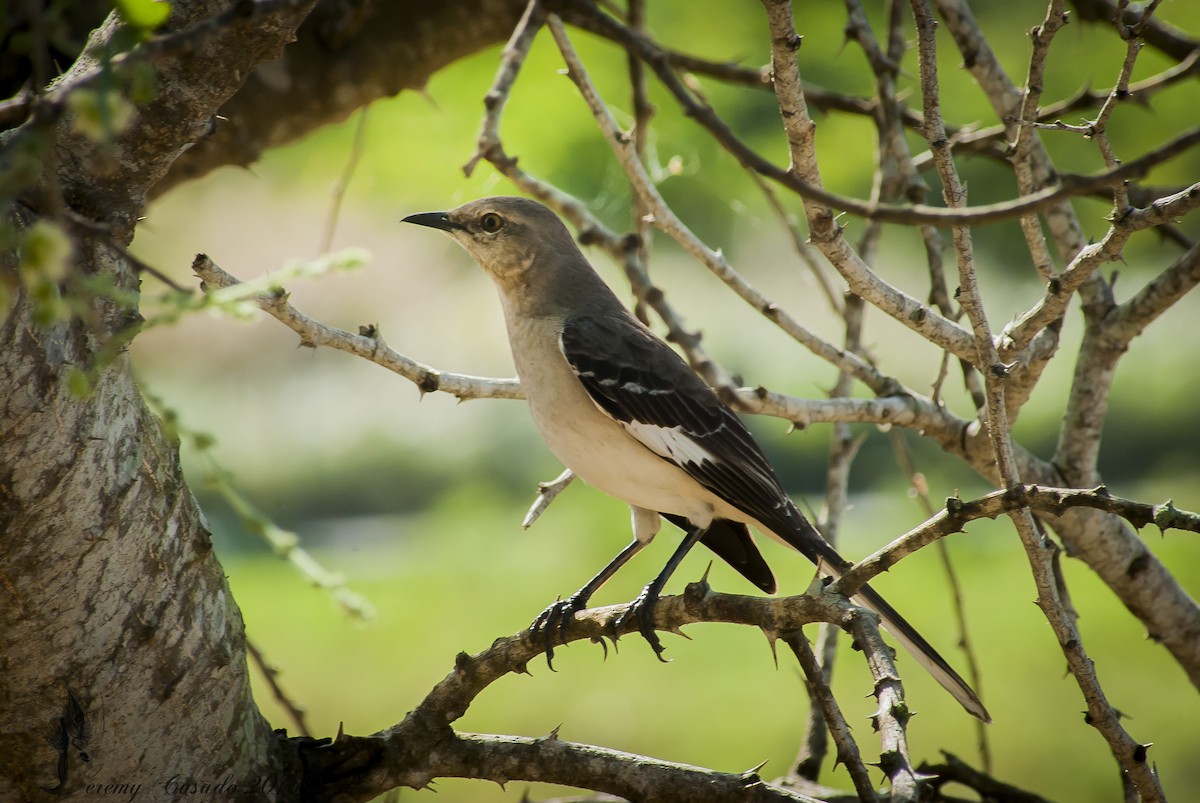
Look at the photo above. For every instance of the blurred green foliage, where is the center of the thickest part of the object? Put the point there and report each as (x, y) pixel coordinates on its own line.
(423, 515)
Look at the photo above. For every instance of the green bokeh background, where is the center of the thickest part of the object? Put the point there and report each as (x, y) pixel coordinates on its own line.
(418, 502)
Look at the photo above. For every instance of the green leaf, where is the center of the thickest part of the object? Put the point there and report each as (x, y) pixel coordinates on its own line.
(145, 15)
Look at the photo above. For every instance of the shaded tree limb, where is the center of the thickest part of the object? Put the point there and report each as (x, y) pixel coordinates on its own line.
(955, 770)
(346, 55)
(1170, 40)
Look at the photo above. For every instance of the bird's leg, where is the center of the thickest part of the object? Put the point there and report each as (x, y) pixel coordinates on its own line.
(552, 623)
(643, 606)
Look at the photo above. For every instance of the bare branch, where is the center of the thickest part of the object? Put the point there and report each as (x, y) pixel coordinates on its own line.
(843, 447)
(489, 146)
(1023, 161)
(1170, 40)
(989, 140)
(668, 222)
(271, 674)
(547, 491)
(824, 231)
(1156, 297)
(914, 214)
(368, 344)
(338, 194)
(908, 410)
(494, 101)
(1005, 99)
(892, 716)
(1018, 334)
(954, 769)
(920, 489)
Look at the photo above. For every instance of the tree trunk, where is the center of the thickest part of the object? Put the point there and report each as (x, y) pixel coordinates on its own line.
(123, 652)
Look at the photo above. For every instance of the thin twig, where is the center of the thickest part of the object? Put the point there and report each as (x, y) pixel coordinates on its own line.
(643, 111)
(804, 251)
(103, 233)
(271, 674)
(338, 194)
(919, 488)
(547, 491)
(1023, 162)
(843, 448)
(831, 714)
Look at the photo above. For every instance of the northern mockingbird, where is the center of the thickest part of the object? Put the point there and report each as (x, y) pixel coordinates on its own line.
(623, 411)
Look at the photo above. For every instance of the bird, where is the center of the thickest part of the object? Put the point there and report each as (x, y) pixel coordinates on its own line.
(625, 412)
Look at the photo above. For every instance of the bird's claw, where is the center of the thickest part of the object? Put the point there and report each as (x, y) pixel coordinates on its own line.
(643, 609)
(551, 624)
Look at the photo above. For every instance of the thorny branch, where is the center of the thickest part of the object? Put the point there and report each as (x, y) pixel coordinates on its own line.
(368, 343)
(334, 771)
(1057, 501)
(909, 410)
(1129, 755)
(830, 714)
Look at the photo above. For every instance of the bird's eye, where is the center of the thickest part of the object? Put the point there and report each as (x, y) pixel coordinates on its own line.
(491, 223)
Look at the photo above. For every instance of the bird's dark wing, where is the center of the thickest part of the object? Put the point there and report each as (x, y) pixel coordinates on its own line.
(642, 383)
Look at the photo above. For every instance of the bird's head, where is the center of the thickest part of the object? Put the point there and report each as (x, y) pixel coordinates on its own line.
(513, 239)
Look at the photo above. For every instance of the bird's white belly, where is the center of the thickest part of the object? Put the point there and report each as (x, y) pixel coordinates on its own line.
(605, 456)
(597, 448)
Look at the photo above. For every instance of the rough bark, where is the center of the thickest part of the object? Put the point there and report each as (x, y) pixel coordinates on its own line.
(111, 586)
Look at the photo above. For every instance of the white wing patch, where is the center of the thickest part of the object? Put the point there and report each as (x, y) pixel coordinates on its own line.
(669, 442)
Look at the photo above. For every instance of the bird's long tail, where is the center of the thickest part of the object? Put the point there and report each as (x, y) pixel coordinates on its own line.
(805, 539)
(922, 651)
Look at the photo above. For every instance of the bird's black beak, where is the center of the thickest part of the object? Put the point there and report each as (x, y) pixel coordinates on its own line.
(434, 220)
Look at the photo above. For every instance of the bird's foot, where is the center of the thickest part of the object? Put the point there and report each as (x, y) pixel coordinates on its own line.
(551, 624)
(643, 609)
